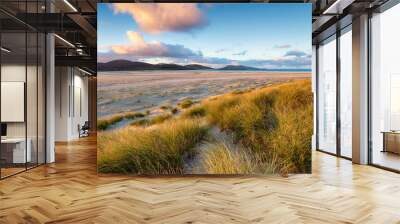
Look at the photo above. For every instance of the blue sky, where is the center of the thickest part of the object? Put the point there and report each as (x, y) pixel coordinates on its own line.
(252, 34)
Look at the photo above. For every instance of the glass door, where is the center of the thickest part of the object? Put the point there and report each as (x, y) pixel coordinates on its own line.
(22, 101)
(327, 96)
(14, 153)
(346, 92)
(385, 89)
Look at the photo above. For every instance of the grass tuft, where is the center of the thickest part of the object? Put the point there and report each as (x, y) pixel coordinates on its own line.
(275, 123)
(133, 115)
(154, 120)
(271, 129)
(237, 91)
(103, 124)
(186, 103)
(159, 150)
(196, 111)
(221, 159)
(174, 110)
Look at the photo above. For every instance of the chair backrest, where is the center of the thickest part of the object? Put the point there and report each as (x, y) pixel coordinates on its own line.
(86, 125)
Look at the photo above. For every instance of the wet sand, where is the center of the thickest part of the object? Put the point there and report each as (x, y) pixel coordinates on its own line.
(121, 91)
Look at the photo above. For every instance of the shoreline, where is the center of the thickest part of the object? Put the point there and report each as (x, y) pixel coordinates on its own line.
(121, 92)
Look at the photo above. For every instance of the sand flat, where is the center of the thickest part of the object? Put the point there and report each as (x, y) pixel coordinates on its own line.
(148, 90)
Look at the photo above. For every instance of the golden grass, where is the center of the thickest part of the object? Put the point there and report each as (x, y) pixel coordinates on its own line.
(157, 150)
(133, 115)
(154, 120)
(221, 159)
(174, 110)
(271, 128)
(103, 124)
(195, 111)
(186, 103)
(275, 123)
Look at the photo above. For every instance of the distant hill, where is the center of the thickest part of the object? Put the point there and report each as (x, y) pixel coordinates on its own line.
(196, 67)
(123, 65)
(126, 65)
(238, 67)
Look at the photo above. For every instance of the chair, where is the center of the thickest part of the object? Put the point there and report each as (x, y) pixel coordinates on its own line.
(84, 130)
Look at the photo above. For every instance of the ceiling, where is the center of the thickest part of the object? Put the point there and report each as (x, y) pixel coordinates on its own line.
(75, 22)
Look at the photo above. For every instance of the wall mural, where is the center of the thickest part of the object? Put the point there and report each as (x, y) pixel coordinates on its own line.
(204, 88)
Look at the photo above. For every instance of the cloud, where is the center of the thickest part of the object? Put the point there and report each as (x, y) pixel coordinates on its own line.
(283, 46)
(156, 18)
(242, 53)
(221, 50)
(291, 59)
(138, 47)
(103, 48)
(290, 63)
(282, 62)
(155, 52)
(295, 53)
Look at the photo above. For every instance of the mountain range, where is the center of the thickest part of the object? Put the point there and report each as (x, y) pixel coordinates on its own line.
(125, 65)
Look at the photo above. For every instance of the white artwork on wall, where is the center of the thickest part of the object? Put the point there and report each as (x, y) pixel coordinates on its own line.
(12, 101)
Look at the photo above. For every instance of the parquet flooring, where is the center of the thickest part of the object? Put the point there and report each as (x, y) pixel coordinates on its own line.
(70, 191)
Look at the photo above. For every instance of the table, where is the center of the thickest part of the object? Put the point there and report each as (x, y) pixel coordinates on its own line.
(13, 150)
(391, 141)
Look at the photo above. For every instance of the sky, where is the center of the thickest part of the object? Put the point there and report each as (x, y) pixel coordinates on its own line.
(213, 34)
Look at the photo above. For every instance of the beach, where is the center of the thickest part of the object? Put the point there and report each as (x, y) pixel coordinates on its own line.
(126, 91)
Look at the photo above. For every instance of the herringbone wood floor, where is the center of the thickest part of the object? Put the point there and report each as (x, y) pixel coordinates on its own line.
(70, 191)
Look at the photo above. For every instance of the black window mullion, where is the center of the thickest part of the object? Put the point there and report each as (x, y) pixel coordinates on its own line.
(338, 76)
(0, 94)
(37, 90)
(369, 94)
(26, 86)
(317, 97)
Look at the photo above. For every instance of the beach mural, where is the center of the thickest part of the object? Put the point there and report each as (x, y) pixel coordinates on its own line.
(204, 88)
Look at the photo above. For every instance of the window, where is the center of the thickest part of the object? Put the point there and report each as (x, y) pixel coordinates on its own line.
(22, 77)
(346, 93)
(385, 89)
(327, 96)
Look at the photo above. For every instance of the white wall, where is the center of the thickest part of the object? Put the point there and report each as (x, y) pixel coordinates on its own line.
(80, 115)
(62, 81)
(71, 87)
(33, 126)
(16, 73)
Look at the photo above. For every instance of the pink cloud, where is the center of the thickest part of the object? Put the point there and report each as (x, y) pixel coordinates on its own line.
(161, 17)
(138, 47)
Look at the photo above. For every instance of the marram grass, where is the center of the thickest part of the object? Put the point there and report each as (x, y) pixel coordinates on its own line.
(103, 124)
(160, 149)
(271, 129)
(274, 123)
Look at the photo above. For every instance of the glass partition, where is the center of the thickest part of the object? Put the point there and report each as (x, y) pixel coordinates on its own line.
(327, 96)
(14, 153)
(346, 93)
(22, 88)
(385, 89)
